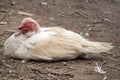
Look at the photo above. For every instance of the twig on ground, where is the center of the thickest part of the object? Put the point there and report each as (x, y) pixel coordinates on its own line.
(12, 31)
(107, 20)
(113, 67)
(3, 18)
(48, 72)
(3, 23)
(114, 59)
(3, 11)
(82, 14)
(116, 56)
(104, 62)
(25, 13)
(6, 65)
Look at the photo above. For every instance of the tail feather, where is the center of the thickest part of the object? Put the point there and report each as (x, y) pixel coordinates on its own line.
(97, 47)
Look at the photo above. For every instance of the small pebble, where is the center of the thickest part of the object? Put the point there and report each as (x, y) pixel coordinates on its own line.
(87, 1)
(23, 61)
(10, 71)
(87, 34)
(44, 3)
(81, 33)
(89, 29)
(108, 12)
(64, 63)
(13, 2)
(51, 18)
(105, 78)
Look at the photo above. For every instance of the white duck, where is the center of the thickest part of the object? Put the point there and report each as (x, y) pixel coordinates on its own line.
(54, 43)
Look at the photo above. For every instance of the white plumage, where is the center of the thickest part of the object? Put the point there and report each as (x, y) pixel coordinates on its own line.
(49, 44)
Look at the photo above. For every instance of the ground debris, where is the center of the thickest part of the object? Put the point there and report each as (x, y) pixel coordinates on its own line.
(23, 61)
(13, 2)
(25, 13)
(116, 56)
(3, 23)
(87, 34)
(44, 3)
(105, 78)
(99, 69)
(6, 65)
(82, 14)
(113, 67)
(51, 73)
(1, 45)
(107, 20)
(11, 31)
(3, 11)
(1, 20)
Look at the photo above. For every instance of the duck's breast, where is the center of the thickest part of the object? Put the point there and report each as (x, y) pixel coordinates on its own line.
(12, 44)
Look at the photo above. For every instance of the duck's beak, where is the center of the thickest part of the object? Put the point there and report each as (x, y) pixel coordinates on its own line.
(19, 31)
(20, 28)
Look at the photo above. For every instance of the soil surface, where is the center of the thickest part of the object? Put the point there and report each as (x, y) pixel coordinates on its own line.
(97, 20)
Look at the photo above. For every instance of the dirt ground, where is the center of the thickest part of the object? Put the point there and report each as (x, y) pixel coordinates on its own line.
(97, 20)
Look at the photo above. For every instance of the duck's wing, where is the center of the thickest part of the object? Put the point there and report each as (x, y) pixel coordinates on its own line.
(56, 48)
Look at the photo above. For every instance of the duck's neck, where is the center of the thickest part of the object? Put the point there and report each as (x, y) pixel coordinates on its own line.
(37, 30)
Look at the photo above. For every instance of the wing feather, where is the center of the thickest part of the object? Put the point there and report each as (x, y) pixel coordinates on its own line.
(57, 47)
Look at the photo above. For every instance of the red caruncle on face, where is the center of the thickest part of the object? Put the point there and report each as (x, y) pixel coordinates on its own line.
(27, 26)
